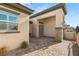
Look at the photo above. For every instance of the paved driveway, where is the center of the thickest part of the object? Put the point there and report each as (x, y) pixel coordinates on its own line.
(45, 46)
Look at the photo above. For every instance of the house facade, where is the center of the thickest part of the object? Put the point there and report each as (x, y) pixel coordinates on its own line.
(49, 22)
(14, 25)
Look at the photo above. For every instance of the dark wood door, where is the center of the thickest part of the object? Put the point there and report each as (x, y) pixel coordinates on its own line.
(41, 29)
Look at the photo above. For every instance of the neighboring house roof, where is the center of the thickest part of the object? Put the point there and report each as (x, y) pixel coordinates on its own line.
(18, 6)
(61, 5)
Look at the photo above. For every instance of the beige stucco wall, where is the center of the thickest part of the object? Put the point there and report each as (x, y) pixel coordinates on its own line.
(13, 40)
(70, 35)
(59, 21)
(30, 28)
(33, 28)
(49, 27)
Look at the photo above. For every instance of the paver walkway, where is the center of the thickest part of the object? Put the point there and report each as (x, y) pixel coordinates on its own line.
(45, 46)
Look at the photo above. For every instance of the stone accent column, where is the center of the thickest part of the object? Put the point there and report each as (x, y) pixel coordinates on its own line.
(59, 34)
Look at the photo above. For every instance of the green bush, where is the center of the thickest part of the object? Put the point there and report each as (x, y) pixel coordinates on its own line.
(3, 51)
(23, 45)
(77, 29)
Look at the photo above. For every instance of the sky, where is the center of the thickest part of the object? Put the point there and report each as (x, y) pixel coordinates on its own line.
(72, 17)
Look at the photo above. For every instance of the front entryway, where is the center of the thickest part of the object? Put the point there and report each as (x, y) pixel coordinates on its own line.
(47, 26)
(41, 29)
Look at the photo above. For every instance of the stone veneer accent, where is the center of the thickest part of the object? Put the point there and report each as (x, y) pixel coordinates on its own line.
(59, 33)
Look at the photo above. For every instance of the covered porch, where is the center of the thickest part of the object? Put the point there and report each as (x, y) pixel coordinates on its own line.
(47, 27)
(49, 23)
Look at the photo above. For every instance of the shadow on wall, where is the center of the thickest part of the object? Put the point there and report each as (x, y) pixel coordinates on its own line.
(75, 50)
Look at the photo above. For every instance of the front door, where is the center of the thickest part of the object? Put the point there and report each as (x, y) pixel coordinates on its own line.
(41, 29)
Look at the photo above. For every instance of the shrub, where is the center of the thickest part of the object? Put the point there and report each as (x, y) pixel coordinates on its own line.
(23, 45)
(77, 29)
(3, 51)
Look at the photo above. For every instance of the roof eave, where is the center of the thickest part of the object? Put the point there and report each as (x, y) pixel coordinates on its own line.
(19, 6)
(62, 5)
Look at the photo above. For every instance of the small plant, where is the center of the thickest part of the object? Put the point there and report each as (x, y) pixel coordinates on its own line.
(3, 51)
(23, 45)
(77, 29)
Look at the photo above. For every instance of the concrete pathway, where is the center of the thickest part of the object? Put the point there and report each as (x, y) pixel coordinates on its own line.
(54, 49)
(45, 46)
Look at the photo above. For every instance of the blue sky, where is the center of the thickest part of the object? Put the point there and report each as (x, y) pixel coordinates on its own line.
(72, 17)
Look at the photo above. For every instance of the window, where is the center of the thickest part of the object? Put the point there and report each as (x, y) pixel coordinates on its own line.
(8, 21)
(12, 18)
(13, 26)
(3, 17)
(3, 25)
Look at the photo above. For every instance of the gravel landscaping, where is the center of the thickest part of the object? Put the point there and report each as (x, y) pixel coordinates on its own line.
(45, 46)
